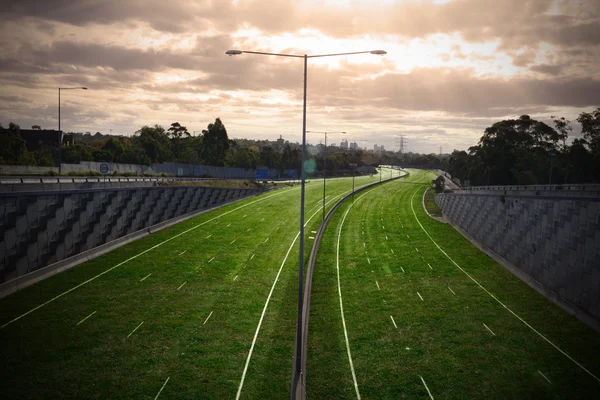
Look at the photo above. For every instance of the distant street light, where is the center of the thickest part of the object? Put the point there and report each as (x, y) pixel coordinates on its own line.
(324, 166)
(59, 131)
(297, 370)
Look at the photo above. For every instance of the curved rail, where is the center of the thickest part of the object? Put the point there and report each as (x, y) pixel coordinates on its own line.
(298, 388)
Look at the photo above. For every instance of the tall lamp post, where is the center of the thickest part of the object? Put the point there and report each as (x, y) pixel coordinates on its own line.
(324, 166)
(297, 368)
(59, 131)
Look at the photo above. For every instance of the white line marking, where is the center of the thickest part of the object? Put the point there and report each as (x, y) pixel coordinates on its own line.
(233, 241)
(277, 229)
(209, 261)
(386, 238)
(394, 322)
(145, 276)
(429, 266)
(183, 252)
(451, 290)
(161, 389)
(421, 297)
(402, 269)
(408, 236)
(183, 284)
(495, 298)
(369, 260)
(262, 316)
(383, 226)
(85, 318)
(136, 256)
(245, 215)
(342, 305)
(311, 237)
(206, 320)
(208, 236)
(544, 376)
(266, 240)
(262, 220)
(228, 225)
(377, 283)
(392, 251)
(486, 327)
(364, 245)
(252, 256)
(417, 249)
(424, 384)
(313, 231)
(235, 278)
(136, 328)
(248, 230)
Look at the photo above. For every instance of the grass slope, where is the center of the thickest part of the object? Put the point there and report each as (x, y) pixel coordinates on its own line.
(439, 312)
(226, 260)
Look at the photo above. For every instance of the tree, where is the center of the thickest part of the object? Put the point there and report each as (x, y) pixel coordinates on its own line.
(12, 145)
(177, 131)
(590, 127)
(154, 143)
(36, 127)
(215, 143)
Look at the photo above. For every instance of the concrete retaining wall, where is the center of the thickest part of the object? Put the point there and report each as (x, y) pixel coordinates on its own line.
(548, 235)
(42, 228)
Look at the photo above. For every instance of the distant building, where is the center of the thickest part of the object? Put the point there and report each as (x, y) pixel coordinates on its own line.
(280, 141)
(344, 144)
(353, 146)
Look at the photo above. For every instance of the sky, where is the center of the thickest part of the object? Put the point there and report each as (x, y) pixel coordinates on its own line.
(452, 68)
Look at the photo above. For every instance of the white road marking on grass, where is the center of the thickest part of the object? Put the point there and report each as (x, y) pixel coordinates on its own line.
(245, 215)
(495, 298)
(429, 266)
(377, 283)
(311, 237)
(402, 269)
(364, 245)
(209, 261)
(248, 230)
(417, 249)
(136, 328)
(183, 252)
(408, 236)
(262, 316)
(392, 250)
(233, 241)
(136, 256)
(85, 318)
(145, 276)
(369, 260)
(544, 376)
(277, 229)
(266, 240)
(383, 226)
(182, 285)
(424, 384)
(313, 231)
(262, 220)
(386, 238)
(394, 322)
(206, 320)
(252, 256)
(228, 225)
(208, 236)
(235, 278)
(161, 389)
(451, 290)
(342, 305)
(421, 297)
(486, 327)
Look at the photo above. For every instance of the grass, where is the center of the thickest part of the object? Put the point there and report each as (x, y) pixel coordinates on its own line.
(432, 208)
(123, 334)
(441, 338)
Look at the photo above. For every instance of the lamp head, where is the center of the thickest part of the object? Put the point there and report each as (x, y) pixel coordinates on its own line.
(379, 52)
(84, 88)
(233, 52)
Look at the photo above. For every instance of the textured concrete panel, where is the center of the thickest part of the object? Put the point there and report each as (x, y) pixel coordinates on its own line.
(551, 236)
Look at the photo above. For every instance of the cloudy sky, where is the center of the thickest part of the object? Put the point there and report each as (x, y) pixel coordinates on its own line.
(453, 66)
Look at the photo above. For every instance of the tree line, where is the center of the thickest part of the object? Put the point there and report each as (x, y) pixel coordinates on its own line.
(524, 151)
(155, 144)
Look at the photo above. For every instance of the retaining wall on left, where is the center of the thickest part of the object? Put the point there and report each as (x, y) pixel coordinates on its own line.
(42, 228)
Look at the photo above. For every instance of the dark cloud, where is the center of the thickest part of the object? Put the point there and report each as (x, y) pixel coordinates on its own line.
(547, 69)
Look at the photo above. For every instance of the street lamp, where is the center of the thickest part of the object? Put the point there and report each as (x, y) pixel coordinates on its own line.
(324, 165)
(59, 131)
(298, 351)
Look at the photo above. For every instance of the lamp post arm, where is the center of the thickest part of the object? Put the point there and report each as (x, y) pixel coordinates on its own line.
(340, 54)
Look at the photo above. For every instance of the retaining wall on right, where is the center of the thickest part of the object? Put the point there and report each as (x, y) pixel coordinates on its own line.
(551, 234)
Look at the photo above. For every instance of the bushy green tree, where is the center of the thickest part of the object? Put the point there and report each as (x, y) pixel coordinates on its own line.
(215, 143)
(155, 144)
(12, 145)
